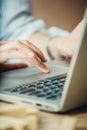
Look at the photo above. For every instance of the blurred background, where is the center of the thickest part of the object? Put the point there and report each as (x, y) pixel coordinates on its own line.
(65, 14)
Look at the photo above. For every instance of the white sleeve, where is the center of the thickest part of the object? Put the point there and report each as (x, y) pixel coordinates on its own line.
(56, 31)
(17, 22)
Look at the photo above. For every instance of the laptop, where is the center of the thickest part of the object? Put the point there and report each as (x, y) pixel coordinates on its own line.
(62, 89)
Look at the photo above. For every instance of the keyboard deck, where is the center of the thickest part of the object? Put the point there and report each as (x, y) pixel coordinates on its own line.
(49, 89)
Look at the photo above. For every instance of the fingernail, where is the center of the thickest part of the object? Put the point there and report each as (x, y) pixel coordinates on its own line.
(47, 70)
(45, 58)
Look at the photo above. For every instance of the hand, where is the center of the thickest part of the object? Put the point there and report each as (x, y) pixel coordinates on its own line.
(22, 50)
(64, 47)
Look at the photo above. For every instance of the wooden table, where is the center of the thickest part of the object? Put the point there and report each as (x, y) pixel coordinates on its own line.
(53, 121)
(50, 121)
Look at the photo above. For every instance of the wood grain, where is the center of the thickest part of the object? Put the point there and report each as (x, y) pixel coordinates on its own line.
(53, 121)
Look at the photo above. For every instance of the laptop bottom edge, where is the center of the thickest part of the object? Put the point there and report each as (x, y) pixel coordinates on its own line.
(45, 106)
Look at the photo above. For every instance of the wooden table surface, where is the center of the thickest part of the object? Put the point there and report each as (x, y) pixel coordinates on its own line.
(53, 121)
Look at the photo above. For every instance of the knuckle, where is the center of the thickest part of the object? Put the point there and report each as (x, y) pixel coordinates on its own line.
(33, 55)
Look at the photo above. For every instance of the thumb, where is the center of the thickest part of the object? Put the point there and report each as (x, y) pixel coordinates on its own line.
(6, 67)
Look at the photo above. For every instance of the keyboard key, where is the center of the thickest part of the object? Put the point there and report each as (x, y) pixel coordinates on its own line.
(40, 95)
(27, 90)
(62, 80)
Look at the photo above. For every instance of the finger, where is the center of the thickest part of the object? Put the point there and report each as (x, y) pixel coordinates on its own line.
(38, 63)
(43, 67)
(65, 52)
(36, 50)
(24, 54)
(31, 58)
(7, 67)
(18, 45)
(13, 50)
(34, 59)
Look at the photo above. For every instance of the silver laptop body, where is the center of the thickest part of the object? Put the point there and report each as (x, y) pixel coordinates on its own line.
(74, 90)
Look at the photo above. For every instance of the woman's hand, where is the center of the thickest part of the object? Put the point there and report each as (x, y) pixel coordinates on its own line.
(61, 47)
(25, 51)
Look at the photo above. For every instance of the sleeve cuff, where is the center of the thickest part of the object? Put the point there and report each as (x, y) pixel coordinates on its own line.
(56, 31)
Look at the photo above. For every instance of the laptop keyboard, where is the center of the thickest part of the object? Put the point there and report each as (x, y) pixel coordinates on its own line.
(49, 89)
